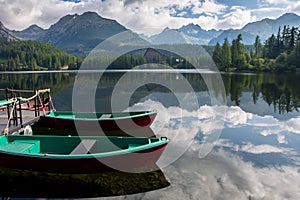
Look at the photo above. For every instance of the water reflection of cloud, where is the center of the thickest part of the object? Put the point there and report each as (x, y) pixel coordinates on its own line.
(209, 118)
(252, 148)
(183, 125)
(292, 125)
(224, 173)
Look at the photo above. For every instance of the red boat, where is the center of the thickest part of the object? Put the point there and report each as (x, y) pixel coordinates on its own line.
(74, 154)
(91, 121)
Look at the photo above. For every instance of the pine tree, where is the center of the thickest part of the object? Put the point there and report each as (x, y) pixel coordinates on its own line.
(270, 48)
(17, 60)
(257, 48)
(226, 55)
(292, 41)
(33, 64)
(293, 58)
(238, 53)
(217, 55)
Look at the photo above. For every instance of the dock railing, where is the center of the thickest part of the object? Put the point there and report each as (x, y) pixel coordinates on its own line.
(15, 103)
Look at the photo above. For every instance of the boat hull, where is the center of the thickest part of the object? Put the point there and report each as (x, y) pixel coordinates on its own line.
(111, 124)
(126, 162)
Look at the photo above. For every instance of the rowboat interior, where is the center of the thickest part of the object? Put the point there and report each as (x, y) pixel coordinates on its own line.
(69, 146)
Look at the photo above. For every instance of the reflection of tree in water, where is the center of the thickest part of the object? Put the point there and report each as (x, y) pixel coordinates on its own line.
(278, 90)
(282, 95)
(31, 81)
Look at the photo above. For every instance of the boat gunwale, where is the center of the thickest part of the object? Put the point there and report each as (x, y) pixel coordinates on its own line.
(136, 149)
(143, 113)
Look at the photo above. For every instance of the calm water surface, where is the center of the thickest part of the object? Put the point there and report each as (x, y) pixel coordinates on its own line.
(254, 134)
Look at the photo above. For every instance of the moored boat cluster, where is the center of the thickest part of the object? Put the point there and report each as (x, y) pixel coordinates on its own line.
(67, 142)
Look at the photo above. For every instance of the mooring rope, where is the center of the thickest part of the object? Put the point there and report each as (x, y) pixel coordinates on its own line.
(35, 95)
(43, 91)
(40, 100)
(51, 102)
(28, 99)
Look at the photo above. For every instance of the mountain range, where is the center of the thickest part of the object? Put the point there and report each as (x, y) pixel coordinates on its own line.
(191, 34)
(264, 29)
(194, 34)
(78, 34)
(75, 34)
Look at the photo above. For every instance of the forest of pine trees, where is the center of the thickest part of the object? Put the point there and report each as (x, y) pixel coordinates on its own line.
(31, 55)
(278, 53)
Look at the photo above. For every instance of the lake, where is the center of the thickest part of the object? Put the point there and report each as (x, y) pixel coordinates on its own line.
(233, 135)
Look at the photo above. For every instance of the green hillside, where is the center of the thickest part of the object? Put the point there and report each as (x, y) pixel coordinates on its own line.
(32, 55)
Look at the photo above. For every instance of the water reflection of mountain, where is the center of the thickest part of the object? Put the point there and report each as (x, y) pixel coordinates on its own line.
(278, 91)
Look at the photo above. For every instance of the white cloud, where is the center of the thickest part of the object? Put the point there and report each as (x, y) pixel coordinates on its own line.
(275, 8)
(19, 14)
(264, 148)
(269, 131)
(281, 139)
(276, 127)
(209, 119)
(251, 148)
(156, 15)
(222, 175)
(294, 7)
(236, 18)
(292, 125)
(146, 16)
(232, 116)
(276, 2)
(209, 7)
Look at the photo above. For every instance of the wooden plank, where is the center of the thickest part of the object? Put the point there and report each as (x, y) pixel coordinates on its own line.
(22, 146)
(104, 116)
(84, 146)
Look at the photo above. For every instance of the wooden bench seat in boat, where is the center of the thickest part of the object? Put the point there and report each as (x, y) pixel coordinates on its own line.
(84, 146)
(23, 146)
(105, 116)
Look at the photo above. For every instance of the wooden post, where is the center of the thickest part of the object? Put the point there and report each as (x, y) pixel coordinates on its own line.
(15, 114)
(20, 112)
(8, 111)
(35, 104)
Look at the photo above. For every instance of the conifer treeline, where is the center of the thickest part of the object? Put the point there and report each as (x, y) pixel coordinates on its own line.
(32, 55)
(278, 53)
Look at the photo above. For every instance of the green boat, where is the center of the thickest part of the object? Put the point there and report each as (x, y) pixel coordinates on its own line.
(74, 154)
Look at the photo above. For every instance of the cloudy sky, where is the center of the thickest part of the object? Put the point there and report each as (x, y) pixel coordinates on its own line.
(147, 16)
